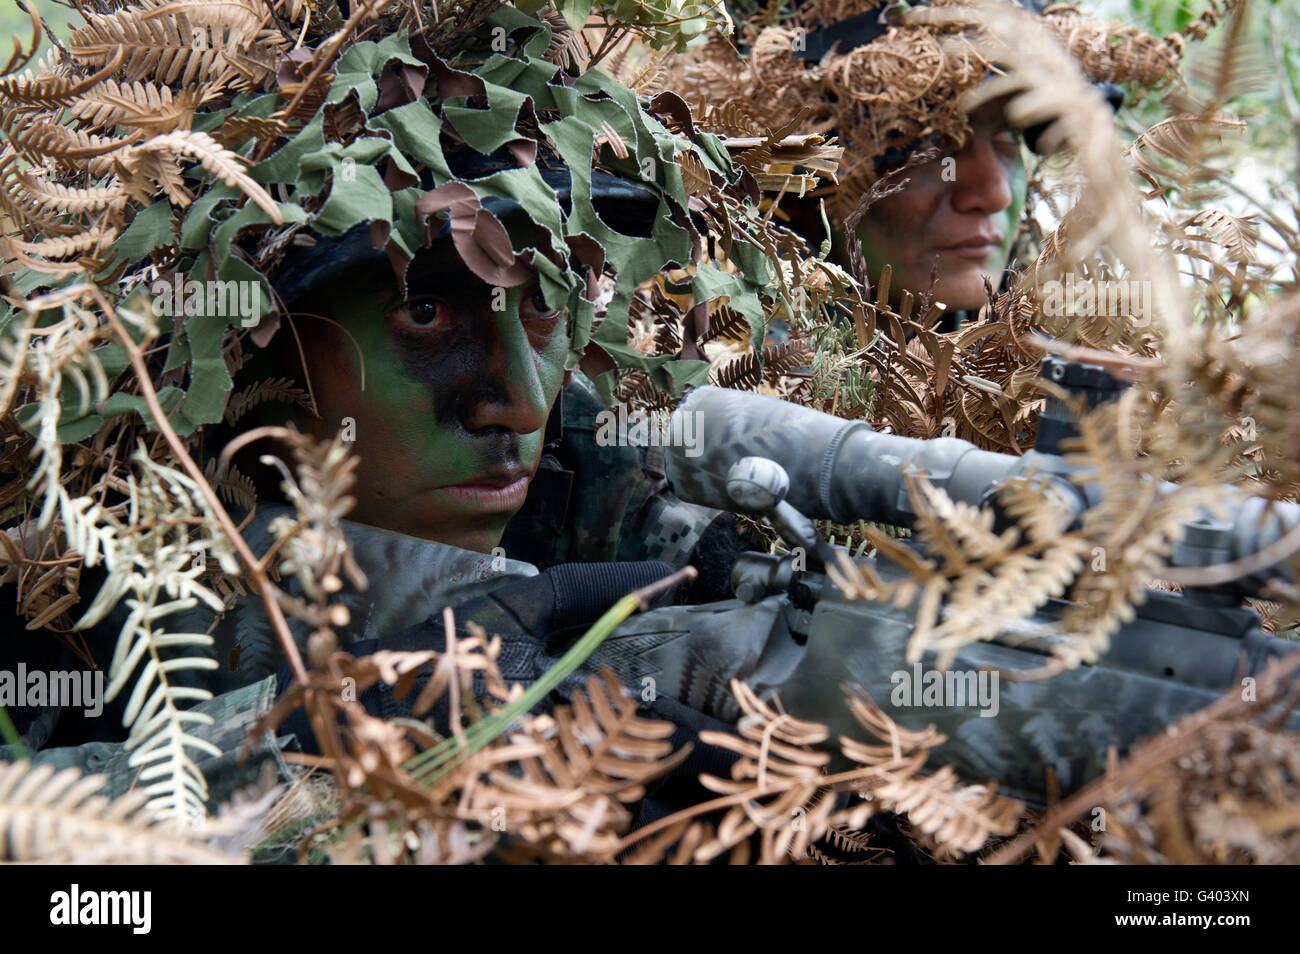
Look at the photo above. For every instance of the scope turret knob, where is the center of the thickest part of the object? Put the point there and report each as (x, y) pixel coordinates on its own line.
(757, 483)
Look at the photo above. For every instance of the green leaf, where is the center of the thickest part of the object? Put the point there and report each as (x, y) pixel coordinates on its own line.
(113, 358)
(198, 222)
(686, 374)
(487, 130)
(282, 165)
(151, 229)
(575, 13)
(168, 398)
(247, 217)
(362, 198)
(358, 67)
(71, 427)
(205, 400)
(244, 105)
(711, 282)
(415, 130)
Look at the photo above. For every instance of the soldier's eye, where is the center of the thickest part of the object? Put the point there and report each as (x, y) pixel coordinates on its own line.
(533, 308)
(1007, 141)
(424, 314)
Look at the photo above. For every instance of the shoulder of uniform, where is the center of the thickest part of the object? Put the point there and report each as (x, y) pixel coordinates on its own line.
(581, 404)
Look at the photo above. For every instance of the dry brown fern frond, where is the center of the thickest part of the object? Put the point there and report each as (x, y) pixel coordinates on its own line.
(563, 782)
(638, 390)
(44, 196)
(973, 584)
(726, 324)
(1174, 150)
(728, 119)
(1133, 529)
(553, 787)
(567, 48)
(777, 756)
(20, 57)
(40, 141)
(978, 383)
(55, 87)
(677, 845)
(1247, 391)
(958, 819)
(1237, 236)
(1234, 67)
(748, 371)
(25, 214)
(219, 162)
(58, 818)
(1114, 52)
(270, 389)
(90, 244)
(140, 105)
(233, 486)
(184, 42)
(779, 793)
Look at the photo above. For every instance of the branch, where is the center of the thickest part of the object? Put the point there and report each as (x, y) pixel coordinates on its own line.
(253, 566)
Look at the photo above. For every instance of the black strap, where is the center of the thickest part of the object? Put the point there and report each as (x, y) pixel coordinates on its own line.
(848, 34)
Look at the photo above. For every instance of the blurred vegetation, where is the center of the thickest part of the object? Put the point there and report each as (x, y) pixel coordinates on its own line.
(60, 17)
(1269, 100)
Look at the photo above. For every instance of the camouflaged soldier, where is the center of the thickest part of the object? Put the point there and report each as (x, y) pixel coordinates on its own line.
(447, 224)
(887, 83)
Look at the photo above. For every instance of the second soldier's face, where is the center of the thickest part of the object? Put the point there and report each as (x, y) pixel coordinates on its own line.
(954, 219)
(447, 398)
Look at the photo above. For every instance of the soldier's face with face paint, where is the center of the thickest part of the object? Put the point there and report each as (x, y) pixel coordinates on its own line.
(954, 219)
(449, 396)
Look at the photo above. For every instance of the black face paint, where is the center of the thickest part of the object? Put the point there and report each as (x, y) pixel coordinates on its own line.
(459, 380)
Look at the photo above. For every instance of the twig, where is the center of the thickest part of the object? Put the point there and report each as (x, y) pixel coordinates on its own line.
(1277, 551)
(327, 57)
(255, 572)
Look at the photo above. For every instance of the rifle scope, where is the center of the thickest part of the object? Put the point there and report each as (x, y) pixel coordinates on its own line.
(845, 471)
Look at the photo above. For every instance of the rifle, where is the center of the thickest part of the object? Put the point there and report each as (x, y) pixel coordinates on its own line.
(790, 628)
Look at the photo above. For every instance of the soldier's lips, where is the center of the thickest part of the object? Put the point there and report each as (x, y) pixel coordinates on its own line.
(489, 495)
(977, 248)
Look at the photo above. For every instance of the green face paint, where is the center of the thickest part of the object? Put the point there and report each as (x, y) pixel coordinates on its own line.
(459, 381)
(1019, 181)
(953, 223)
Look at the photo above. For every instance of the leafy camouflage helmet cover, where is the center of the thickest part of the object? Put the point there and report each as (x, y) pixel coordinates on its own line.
(217, 140)
(880, 76)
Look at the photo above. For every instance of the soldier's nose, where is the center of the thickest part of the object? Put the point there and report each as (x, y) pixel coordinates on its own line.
(512, 397)
(981, 184)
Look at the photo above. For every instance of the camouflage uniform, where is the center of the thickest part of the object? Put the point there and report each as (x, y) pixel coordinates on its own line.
(596, 504)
